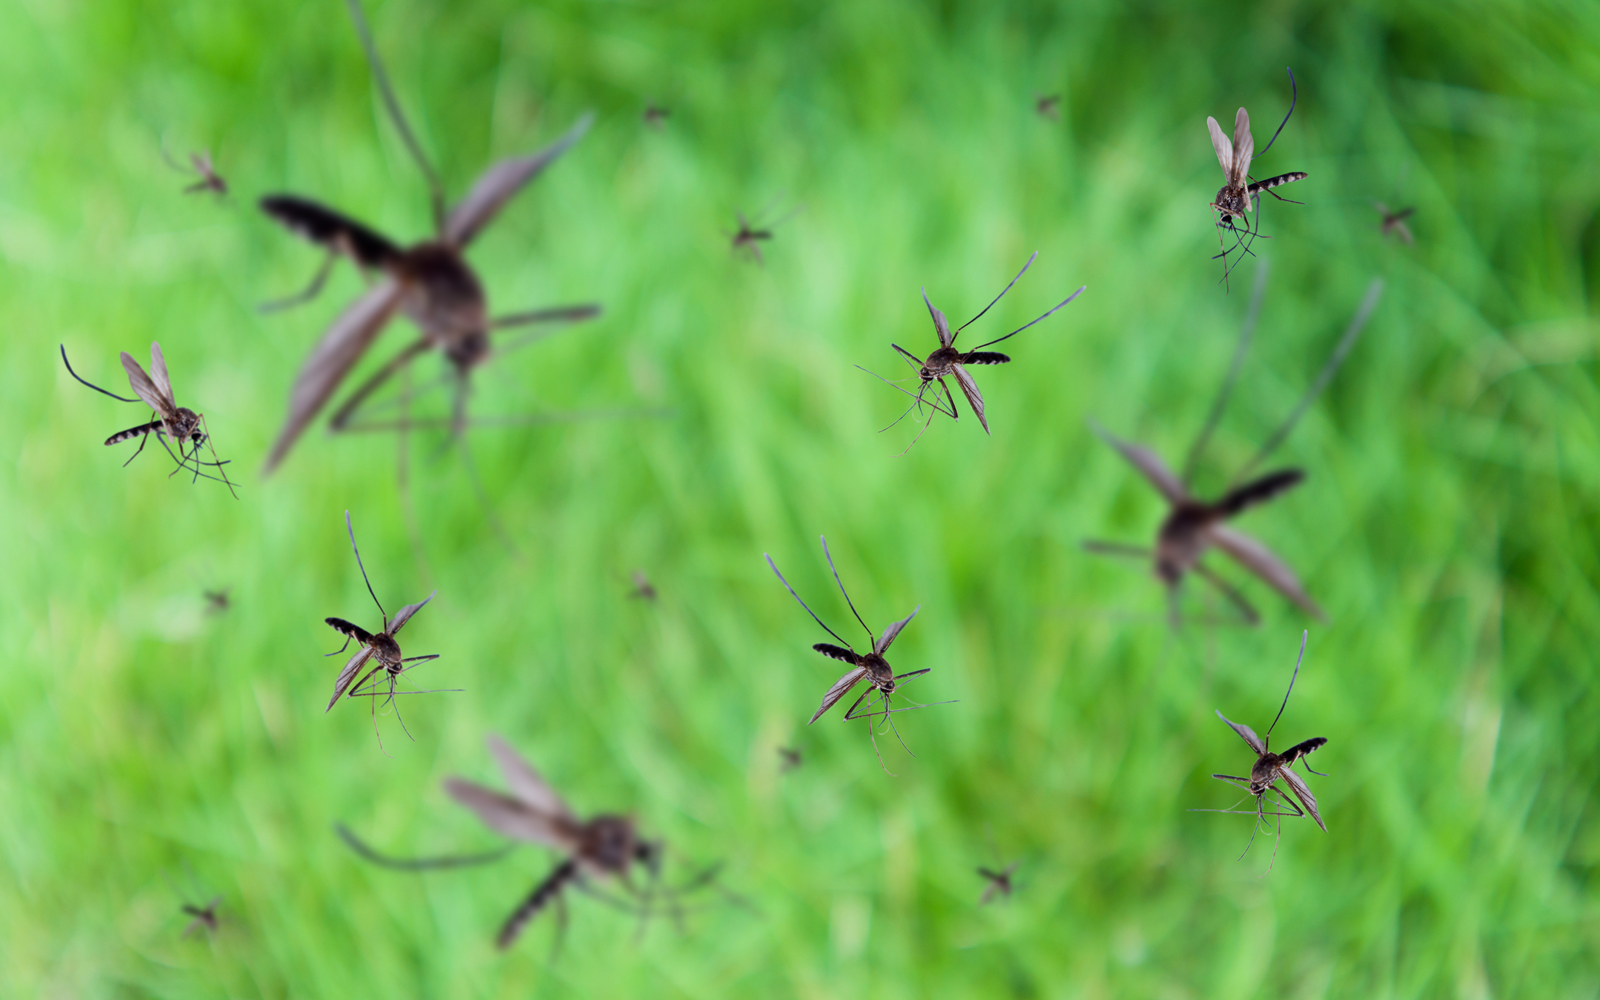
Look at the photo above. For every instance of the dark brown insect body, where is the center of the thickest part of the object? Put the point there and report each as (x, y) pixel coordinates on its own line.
(431, 283)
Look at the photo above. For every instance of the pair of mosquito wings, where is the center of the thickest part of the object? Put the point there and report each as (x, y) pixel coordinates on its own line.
(356, 662)
(1235, 158)
(156, 388)
(1246, 551)
(1296, 784)
(969, 388)
(842, 686)
(359, 325)
(532, 812)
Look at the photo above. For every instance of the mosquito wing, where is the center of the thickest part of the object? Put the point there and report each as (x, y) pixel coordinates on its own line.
(941, 325)
(144, 388)
(405, 613)
(513, 817)
(970, 389)
(351, 334)
(1302, 791)
(348, 674)
(1149, 465)
(892, 631)
(1219, 142)
(1245, 733)
(840, 688)
(1258, 559)
(158, 375)
(1244, 147)
(526, 783)
(500, 182)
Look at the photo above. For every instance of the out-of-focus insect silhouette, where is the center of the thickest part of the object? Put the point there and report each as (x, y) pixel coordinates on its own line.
(751, 234)
(431, 282)
(1238, 194)
(1395, 222)
(643, 589)
(870, 667)
(791, 759)
(999, 879)
(217, 601)
(201, 166)
(656, 116)
(204, 916)
(1271, 768)
(948, 360)
(1048, 106)
(382, 646)
(1193, 526)
(179, 424)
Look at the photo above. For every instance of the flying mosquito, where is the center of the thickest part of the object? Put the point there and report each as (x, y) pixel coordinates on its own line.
(751, 234)
(870, 667)
(643, 589)
(1271, 768)
(792, 759)
(656, 116)
(174, 423)
(201, 166)
(217, 601)
(947, 360)
(204, 916)
(1395, 222)
(431, 282)
(1192, 525)
(1048, 106)
(383, 647)
(1238, 194)
(999, 882)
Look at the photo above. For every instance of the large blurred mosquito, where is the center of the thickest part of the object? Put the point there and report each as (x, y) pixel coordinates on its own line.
(431, 282)
(201, 166)
(870, 667)
(179, 424)
(1271, 768)
(383, 647)
(1193, 526)
(1238, 194)
(947, 360)
(1395, 222)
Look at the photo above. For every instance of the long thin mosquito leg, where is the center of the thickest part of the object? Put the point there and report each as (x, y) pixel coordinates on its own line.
(306, 294)
(1100, 548)
(143, 438)
(926, 424)
(417, 864)
(398, 717)
(1227, 590)
(402, 360)
(214, 458)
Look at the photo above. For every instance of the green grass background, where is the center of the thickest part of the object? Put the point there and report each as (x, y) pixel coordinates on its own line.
(1448, 524)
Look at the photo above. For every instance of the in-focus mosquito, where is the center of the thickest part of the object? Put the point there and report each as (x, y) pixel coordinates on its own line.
(656, 116)
(1271, 768)
(947, 360)
(751, 234)
(1193, 526)
(383, 647)
(201, 166)
(1238, 194)
(178, 424)
(430, 282)
(1048, 106)
(217, 601)
(792, 759)
(870, 667)
(1395, 222)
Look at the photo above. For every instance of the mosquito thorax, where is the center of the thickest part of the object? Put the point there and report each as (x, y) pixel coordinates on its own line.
(385, 650)
(445, 297)
(879, 672)
(1264, 772)
(1232, 201)
(608, 843)
(939, 363)
(1180, 543)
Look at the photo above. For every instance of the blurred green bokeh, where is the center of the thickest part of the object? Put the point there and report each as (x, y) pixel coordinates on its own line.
(1448, 523)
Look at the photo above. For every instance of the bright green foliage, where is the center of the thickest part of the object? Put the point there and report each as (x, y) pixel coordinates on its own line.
(1448, 521)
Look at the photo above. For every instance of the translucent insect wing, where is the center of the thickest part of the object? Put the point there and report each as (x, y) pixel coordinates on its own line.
(526, 783)
(1245, 733)
(840, 688)
(892, 631)
(1219, 142)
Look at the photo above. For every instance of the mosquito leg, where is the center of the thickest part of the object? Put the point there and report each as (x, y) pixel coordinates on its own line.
(1226, 590)
(310, 292)
(398, 717)
(341, 419)
(561, 927)
(1100, 548)
(143, 438)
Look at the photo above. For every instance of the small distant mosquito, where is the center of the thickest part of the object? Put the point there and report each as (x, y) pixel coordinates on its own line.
(1238, 194)
(1394, 222)
(947, 360)
(1193, 526)
(1048, 106)
(642, 587)
(204, 916)
(751, 234)
(870, 667)
(656, 116)
(430, 282)
(217, 601)
(383, 647)
(791, 759)
(200, 164)
(178, 424)
(1271, 768)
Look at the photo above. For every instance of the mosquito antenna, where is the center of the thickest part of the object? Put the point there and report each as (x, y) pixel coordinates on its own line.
(1246, 333)
(364, 579)
(1351, 333)
(417, 864)
(435, 189)
(796, 596)
(1046, 316)
(997, 298)
(836, 579)
(91, 385)
(1294, 96)
(1286, 694)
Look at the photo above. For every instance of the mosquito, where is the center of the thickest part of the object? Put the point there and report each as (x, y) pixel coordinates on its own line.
(1192, 525)
(178, 424)
(1395, 222)
(871, 667)
(656, 116)
(1271, 768)
(750, 235)
(999, 882)
(200, 165)
(217, 601)
(947, 360)
(1238, 194)
(383, 647)
(430, 282)
(791, 759)
(1048, 106)
(643, 589)
(204, 916)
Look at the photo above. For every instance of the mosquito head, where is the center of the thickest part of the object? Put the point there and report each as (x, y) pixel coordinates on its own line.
(609, 844)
